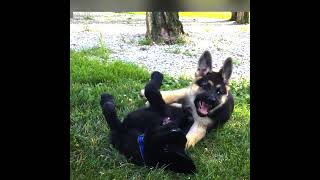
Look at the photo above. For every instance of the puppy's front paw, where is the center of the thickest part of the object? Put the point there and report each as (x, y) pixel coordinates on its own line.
(106, 98)
(191, 141)
(109, 108)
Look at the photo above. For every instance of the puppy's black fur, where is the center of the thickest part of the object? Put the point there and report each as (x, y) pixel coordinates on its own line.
(164, 128)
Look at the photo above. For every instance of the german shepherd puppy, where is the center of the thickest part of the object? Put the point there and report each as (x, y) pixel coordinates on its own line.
(151, 136)
(209, 98)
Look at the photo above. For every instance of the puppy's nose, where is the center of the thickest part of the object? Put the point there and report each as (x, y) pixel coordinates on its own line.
(212, 99)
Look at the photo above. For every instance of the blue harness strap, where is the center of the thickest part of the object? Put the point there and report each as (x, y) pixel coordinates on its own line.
(141, 145)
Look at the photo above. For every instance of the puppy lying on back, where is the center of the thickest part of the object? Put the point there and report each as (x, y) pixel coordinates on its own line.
(151, 136)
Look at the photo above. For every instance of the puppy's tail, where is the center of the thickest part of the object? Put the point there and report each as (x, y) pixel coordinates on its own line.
(108, 106)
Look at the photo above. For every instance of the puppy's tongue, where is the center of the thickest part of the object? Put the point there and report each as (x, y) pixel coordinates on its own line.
(203, 108)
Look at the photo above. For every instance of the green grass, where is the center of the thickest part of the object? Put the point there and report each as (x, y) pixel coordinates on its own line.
(144, 41)
(177, 50)
(182, 39)
(174, 50)
(216, 15)
(88, 18)
(221, 155)
(236, 62)
(187, 53)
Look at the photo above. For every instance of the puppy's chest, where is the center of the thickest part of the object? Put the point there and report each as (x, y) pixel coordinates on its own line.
(167, 120)
(172, 117)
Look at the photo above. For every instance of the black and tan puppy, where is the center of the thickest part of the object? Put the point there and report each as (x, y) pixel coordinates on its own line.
(209, 98)
(151, 136)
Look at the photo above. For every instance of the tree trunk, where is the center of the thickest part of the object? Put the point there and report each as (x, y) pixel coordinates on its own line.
(242, 17)
(233, 16)
(163, 27)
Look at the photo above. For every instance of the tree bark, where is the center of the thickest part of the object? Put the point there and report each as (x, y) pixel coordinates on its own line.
(163, 27)
(242, 17)
(233, 16)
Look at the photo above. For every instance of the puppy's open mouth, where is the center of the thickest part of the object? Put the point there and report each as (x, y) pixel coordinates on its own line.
(203, 108)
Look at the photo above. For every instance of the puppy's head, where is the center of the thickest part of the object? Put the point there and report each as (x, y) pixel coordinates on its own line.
(165, 146)
(210, 88)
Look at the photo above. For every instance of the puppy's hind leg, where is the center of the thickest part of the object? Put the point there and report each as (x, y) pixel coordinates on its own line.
(108, 106)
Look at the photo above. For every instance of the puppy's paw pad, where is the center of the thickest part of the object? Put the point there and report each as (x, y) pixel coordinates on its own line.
(106, 98)
(109, 107)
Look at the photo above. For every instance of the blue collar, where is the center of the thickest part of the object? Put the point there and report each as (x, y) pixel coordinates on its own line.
(141, 145)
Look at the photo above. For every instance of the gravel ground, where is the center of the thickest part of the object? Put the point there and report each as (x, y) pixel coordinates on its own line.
(121, 33)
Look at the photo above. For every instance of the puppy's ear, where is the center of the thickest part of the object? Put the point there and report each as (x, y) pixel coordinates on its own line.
(204, 64)
(226, 70)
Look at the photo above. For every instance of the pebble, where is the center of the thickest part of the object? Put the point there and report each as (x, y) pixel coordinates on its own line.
(121, 33)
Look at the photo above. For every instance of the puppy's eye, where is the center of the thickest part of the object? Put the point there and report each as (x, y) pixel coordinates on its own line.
(219, 91)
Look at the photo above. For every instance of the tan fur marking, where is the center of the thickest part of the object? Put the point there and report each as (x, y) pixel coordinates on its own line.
(178, 105)
(195, 134)
(170, 96)
(228, 88)
(174, 96)
(197, 77)
(210, 82)
(223, 100)
(194, 88)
